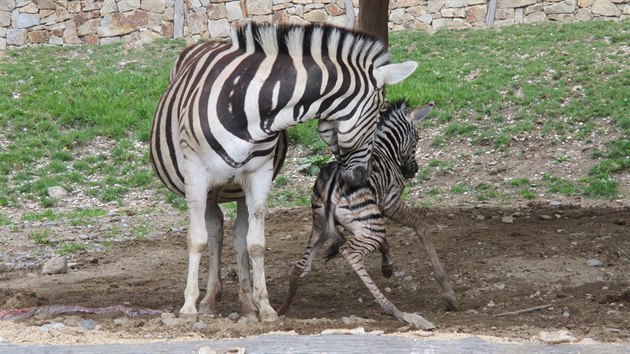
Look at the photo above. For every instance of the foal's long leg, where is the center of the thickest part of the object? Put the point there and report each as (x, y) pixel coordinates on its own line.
(303, 266)
(387, 265)
(355, 259)
(403, 214)
(248, 310)
(214, 227)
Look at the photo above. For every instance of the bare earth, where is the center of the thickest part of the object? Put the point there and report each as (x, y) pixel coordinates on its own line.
(500, 257)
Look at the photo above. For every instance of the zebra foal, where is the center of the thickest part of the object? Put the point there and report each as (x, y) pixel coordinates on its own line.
(217, 134)
(361, 210)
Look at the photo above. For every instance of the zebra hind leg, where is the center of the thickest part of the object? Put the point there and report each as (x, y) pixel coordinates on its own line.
(248, 309)
(214, 227)
(387, 265)
(355, 259)
(303, 266)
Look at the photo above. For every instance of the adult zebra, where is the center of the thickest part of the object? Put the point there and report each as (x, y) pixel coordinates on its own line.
(216, 136)
(362, 209)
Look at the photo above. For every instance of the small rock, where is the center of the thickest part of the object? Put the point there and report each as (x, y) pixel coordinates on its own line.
(236, 350)
(88, 324)
(388, 289)
(358, 330)
(404, 328)
(558, 337)
(233, 316)
(605, 288)
(4, 268)
(407, 278)
(199, 325)
(509, 219)
(613, 330)
(490, 304)
(545, 217)
(50, 326)
(55, 265)
(171, 322)
(473, 312)
(555, 203)
(207, 350)
(57, 192)
(480, 217)
(400, 273)
(120, 321)
(566, 313)
(593, 262)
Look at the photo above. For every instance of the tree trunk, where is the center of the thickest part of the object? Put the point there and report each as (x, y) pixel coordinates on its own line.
(373, 18)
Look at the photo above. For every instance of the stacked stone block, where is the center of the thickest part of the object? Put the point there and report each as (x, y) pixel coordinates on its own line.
(62, 22)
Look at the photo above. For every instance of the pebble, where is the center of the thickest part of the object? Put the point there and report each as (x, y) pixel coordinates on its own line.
(545, 217)
(55, 265)
(120, 321)
(57, 192)
(400, 273)
(594, 262)
(509, 219)
(199, 325)
(490, 304)
(233, 316)
(558, 337)
(4, 268)
(236, 350)
(207, 350)
(473, 312)
(48, 326)
(480, 217)
(88, 324)
(407, 278)
(555, 203)
(388, 290)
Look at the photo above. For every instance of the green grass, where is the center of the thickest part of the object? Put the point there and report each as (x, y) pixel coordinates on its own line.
(489, 87)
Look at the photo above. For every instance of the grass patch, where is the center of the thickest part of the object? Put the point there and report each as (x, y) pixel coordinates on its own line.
(489, 86)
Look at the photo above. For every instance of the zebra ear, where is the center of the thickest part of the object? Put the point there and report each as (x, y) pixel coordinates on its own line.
(394, 73)
(421, 112)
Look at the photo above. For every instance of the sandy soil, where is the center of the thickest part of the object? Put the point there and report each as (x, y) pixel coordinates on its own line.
(538, 259)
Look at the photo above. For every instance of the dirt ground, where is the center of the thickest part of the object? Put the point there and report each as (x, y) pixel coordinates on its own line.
(495, 266)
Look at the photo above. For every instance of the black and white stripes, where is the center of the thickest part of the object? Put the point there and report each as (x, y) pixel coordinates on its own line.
(361, 209)
(218, 133)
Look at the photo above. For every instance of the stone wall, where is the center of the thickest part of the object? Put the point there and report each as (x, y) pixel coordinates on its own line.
(59, 22)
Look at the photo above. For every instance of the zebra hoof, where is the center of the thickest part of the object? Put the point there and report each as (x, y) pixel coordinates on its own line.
(417, 321)
(268, 316)
(188, 317)
(451, 302)
(387, 270)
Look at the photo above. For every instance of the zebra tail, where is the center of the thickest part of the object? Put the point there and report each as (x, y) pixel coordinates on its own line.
(333, 249)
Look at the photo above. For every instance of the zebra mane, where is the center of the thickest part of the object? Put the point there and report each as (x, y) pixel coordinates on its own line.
(391, 110)
(314, 40)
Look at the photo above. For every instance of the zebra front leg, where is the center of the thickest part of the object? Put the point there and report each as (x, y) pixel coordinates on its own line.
(256, 189)
(214, 227)
(303, 266)
(355, 260)
(248, 309)
(197, 240)
(402, 214)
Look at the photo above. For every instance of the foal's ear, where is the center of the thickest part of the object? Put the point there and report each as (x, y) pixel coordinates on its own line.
(420, 113)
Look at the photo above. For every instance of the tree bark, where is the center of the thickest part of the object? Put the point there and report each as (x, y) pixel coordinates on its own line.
(373, 18)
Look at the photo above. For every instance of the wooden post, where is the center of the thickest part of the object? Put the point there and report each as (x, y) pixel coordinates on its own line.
(178, 21)
(373, 18)
(492, 10)
(350, 15)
